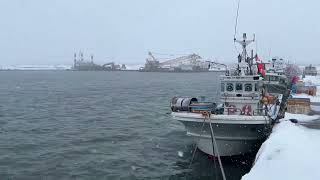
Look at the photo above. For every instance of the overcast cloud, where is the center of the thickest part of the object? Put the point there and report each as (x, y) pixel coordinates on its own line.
(50, 31)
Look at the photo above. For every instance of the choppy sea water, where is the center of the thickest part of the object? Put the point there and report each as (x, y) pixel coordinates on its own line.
(102, 125)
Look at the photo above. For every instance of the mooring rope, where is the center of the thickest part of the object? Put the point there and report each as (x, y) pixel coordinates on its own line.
(196, 147)
(214, 143)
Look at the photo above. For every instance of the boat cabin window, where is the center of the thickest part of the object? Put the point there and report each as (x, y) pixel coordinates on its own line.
(248, 87)
(274, 78)
(238, 86)
(256, 78)
(222, 87)
(229, 87)
(267, 78)
(256, 87)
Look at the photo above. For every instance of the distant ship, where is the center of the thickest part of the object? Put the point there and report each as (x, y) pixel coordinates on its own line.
(310, 70)
(83, 65)
(35, 68)
(187, 63)
(214, 67)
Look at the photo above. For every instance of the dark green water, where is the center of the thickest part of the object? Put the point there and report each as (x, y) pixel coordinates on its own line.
(101, 125)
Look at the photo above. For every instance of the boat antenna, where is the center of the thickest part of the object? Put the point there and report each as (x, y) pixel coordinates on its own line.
(236, 23)
(75, 60)
(235, 26)
(269, 54)
(243, 59)
(256, 43)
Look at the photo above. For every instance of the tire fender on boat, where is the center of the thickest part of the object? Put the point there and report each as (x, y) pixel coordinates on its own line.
(232, 109)
(206, 113)
(246, 110)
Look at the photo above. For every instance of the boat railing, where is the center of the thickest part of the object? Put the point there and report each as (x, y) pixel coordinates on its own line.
(255, 112)
(246, 78)
(261, 111)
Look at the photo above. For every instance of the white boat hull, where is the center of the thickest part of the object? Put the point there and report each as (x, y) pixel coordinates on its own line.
(228, 147)
(234, 134)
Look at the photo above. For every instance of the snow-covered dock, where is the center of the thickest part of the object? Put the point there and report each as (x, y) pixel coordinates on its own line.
(315, 100)
(311, 81)
(291, 151)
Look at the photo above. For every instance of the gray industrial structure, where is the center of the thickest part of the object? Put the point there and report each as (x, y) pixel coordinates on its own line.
(187, 63)
(310, 70)
(84, 65)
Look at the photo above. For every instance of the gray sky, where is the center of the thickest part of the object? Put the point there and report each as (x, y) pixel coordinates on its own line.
(50, 31)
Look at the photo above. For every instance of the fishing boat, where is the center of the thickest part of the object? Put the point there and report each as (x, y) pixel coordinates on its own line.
(242, 119)
(275, 80)
(276, 83)
(217, 67)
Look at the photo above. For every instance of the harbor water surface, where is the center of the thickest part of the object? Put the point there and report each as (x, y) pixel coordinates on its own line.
(102, 125)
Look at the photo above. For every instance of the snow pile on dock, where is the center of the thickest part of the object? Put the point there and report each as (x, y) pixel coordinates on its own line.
(291, 152)
(311, 81)
(300, 117)
(313, 99)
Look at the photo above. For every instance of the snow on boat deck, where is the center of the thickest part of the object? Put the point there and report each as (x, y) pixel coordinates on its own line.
(291, 152)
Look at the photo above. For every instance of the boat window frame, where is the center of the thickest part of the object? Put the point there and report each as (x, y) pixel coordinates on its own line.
(236, 87)
(267, 78)
(256, 87)
(245, 87)
(227, 86)
(223, 87)
(272, 78)
(282, 80)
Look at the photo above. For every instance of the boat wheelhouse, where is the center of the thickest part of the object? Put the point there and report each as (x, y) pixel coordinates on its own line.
(241, 94)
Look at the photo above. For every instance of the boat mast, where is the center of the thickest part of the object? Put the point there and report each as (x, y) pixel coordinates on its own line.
(74, 60)
(91, 58)
(81, 56)
(243, 59)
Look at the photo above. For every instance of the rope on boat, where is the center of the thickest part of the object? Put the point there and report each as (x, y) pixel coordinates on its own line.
(214, 143)
(275, 87)
(283, 103)
(196, 147)
(206, 115)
